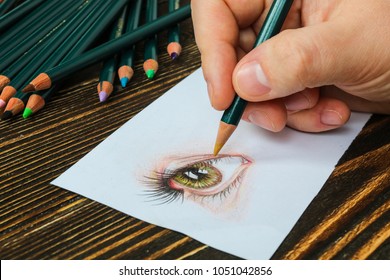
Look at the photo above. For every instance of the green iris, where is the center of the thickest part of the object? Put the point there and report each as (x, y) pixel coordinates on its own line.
(198, 176)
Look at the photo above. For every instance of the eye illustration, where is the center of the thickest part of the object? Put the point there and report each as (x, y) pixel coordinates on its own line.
(197, 177)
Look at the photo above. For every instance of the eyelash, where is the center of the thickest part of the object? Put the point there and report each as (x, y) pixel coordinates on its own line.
(163, 192)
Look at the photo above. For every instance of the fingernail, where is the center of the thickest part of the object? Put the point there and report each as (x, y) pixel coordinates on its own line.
(297, 102)
(250, 80)
(261, 119)
(331, 117)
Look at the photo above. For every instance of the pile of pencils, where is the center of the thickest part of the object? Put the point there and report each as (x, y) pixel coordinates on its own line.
(33, 63)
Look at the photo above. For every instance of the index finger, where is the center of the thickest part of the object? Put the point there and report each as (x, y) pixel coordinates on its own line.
(217, 25)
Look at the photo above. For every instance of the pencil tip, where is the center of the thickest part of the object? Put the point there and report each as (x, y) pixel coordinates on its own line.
(174, 55)
(124, 82)
(103, 96)
(150, 74)
(27, 113)
(7, 115)
(217, 148)
(224, 132)
(2, 103)
(28, 88)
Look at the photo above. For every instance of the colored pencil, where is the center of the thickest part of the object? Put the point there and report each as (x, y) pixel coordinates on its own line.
(125, 70)
(232, 116)
(21, 61)
(34, 37)
(19, 12)
(25, 67)
(45, 12)
(47, 78)
(105, 17)
(174, 46)
(5, 6)
(150, 52)
(48, 56)
(107, 74)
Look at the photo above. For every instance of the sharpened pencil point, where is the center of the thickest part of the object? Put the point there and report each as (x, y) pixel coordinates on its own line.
(174, 56)
(2, 103)
(224, 132)
(27, 113)
(7, 115)
(217, 148)
(124, 81)
(28, 88)
(150, 74)
(103, 96)
(4, 80)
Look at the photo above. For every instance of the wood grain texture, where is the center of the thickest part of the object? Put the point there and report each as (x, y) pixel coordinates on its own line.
(348, 219)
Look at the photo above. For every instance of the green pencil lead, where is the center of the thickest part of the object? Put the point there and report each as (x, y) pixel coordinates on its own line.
(27, 113)
(150, 74)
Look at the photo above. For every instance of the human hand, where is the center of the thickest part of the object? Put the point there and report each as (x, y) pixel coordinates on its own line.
(332, 57)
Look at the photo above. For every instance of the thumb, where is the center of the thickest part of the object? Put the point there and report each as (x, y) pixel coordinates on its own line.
(293, 60)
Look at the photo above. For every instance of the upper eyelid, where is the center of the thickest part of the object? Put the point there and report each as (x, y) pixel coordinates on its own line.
(185, 161)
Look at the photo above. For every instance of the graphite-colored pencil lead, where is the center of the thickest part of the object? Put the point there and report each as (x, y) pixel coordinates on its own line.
(42, 81)
(14, 107)
(6, 115)
(125, 74)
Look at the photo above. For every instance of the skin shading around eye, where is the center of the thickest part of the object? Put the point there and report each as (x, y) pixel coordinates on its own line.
(200, 178)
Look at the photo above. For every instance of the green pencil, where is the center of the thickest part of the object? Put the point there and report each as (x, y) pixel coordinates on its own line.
(19, 12)
(232, 116)
(48, 56)
(21, 61)
(34, 37)
(107, 74)
(150, 52)
(5, 6)
(174, 46)
(47, 78)
(43, 13)
(24, 59)
(38, 100)
(125, 70)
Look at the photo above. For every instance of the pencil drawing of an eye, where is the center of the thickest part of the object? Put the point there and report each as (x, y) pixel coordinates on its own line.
(197, 177)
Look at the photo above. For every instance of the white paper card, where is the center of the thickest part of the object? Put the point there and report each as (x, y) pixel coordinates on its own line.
(157, 167)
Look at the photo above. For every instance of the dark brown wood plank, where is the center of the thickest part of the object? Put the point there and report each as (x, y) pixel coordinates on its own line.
(348, 219)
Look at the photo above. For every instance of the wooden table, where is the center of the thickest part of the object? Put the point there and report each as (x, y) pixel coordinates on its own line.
(348, 219)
